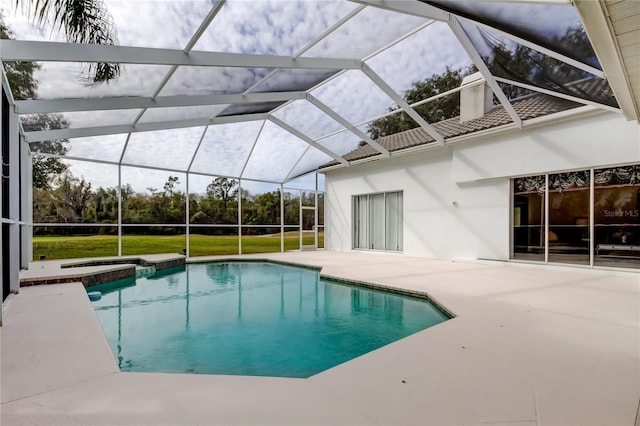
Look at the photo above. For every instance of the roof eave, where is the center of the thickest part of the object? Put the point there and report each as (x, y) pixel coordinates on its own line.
(601, 31)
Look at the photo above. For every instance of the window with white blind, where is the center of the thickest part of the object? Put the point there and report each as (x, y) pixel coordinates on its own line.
(377, 221)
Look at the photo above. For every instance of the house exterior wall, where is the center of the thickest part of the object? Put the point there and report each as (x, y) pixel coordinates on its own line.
(457, 198)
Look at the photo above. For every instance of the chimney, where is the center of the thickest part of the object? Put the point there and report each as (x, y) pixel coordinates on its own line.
(476, 97)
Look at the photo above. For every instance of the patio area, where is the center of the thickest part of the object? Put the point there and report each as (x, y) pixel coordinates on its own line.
(530, 345)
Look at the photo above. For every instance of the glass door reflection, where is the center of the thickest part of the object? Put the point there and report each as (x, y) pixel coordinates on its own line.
(528, 218)
(617, 216)
(568, 236)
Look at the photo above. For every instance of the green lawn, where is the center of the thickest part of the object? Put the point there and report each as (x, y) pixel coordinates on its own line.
(66, 247)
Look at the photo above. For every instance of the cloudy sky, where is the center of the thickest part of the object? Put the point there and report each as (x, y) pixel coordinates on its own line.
(280, 27)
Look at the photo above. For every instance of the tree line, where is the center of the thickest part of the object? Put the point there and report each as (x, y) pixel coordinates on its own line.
(73, 200)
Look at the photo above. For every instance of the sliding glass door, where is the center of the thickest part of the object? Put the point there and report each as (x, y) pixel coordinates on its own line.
(568, 235)
(617, 216)
(588, 217)
(361, 221)
(528, 217)
(393, 221)
(377, 221)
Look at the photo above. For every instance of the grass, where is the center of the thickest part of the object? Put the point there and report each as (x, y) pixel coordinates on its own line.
(67, 247)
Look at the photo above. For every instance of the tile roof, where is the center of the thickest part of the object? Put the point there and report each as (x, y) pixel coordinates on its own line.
(527, 108)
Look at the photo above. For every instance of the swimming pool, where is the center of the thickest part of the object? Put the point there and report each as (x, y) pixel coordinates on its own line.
(250, 318)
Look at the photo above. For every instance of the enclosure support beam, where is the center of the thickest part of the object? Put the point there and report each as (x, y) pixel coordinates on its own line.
(546, 218)
(286, 179)
(253, 146)
(187, 49)
(310, 45)
(331, 113)
(542, 49)
(308, 140)
(240, 216)
(315, 233)
(390, 113)
(321, 37)
(186, 253)
(26, 201)
(378, 81)
(558, 94)
(144, 127)
(195, 153)
(43, 106)
(281, 218)
(119, 209)
(591, 217)
(414, 8)
(462, 36)
(19, 50)
(142, 166)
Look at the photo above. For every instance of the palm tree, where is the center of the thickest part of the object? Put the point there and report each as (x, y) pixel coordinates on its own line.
(83, 21)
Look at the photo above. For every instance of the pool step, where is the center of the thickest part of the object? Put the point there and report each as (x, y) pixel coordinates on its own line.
(145, 271)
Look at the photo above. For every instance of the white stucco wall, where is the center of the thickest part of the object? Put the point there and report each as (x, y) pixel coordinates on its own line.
(475, 175)
(592, 141)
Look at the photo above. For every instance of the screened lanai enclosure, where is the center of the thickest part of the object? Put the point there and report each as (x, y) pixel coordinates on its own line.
(225, 113)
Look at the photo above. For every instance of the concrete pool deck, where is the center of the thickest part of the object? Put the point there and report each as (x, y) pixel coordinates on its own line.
(530, 345)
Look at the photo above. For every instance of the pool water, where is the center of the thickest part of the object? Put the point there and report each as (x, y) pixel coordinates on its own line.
(258, 319)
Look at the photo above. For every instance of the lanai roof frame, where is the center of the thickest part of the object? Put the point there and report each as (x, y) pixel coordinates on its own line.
(187, 57)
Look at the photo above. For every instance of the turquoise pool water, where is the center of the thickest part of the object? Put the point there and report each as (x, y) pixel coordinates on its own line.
(250, 318)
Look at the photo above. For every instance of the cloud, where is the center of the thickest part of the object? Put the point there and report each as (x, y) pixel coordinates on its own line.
(137, 23)
(141, 179)
(275, 154)
(341, 143)
(293, 79)
(198, 183)
(310, 120)
(168, 24)
(106, 148)
(172, 149)
(274, 27)
(226, 147)
(417, 58)
(99, 175)
(100, 118)
(65, 80)
(181, 113)
(306, 182)
(311, 160)
(368, 31)
(22, 25)
(210, 80)
(106, 176)
(354, 96)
